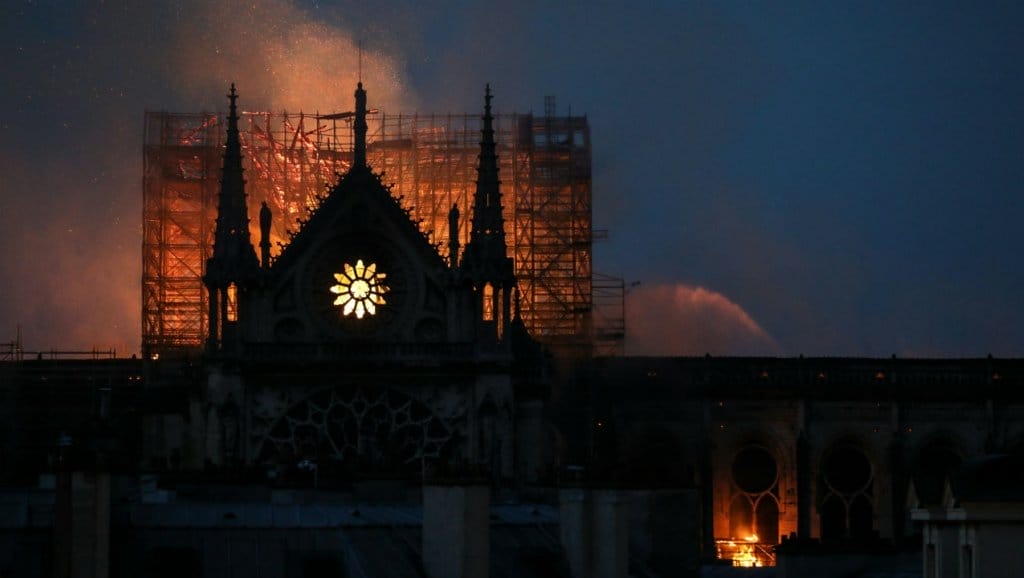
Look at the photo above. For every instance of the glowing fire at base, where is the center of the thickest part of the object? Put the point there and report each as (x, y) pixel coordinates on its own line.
(746, 553)
(744, 557)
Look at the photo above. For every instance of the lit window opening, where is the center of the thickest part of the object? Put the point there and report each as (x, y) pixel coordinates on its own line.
(232, 303)
(360, 289)
(753, 510)
(488, 298)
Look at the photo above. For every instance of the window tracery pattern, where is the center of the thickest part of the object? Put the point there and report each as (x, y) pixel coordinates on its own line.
(353, 424)
(360, 289)
(846, 504)
(755, 505)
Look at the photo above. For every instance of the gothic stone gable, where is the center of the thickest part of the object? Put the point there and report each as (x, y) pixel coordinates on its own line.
(358, 270)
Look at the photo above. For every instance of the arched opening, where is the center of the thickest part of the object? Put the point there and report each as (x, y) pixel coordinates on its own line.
(833, 518)
(861, 518)
(847, 470)
(232, 302)
(767, 526)
(753, 470)
(488, 302)
(741, 518)
(753, 508)
(846, 508)
(755, 476)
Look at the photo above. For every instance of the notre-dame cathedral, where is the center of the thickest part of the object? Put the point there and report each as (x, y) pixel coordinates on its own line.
(367, 404)
(359, 346)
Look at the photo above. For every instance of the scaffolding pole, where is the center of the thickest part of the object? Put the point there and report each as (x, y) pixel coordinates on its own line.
(292, 159)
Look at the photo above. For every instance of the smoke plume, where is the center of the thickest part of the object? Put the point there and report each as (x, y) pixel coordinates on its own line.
(684, 320)
(70, 203)
(282, 58)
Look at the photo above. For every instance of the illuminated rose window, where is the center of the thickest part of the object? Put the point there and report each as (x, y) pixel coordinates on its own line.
(360, 289)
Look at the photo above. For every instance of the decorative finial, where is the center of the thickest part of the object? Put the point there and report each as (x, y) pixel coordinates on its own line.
(359, 129)
(265, 220)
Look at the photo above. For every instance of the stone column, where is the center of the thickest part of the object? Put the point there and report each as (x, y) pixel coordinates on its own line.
(574, 526)
(610, 535)
(456, 530)
(82, 525)
(803, 487)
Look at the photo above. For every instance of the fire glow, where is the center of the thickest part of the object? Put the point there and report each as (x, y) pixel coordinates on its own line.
(293, 159)
(745, 553)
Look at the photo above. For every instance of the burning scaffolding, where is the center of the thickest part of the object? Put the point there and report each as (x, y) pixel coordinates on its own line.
(291, 160)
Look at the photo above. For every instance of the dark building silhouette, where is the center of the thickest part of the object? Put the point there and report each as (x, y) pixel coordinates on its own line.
(359, 344)
(372, 403)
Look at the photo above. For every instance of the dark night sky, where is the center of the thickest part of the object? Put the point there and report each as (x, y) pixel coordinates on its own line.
(821, 178)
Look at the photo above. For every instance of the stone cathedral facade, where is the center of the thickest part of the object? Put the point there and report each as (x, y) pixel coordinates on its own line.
(360, 347)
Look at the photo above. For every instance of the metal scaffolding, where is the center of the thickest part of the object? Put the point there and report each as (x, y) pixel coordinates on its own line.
(292, 159)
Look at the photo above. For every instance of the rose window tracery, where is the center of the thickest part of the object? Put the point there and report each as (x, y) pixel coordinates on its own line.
(360, 289)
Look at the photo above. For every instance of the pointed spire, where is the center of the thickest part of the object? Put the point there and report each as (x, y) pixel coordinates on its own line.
(234, 263)
(233, 253)
(485, 260)
(359, 148)
(232, 181)
(487, 217)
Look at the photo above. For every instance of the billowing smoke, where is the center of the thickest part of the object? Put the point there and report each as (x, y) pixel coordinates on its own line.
(685, 320)
(282, 58)
(704, 119)
(70, 199)
(70, 275)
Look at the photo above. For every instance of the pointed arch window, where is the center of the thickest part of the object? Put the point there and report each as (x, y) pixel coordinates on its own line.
(488, 298)
(753, 509)
(756, 479)
(847, 506)
(232, 302)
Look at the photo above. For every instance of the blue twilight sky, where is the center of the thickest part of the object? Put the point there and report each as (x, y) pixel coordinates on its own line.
(824, 178)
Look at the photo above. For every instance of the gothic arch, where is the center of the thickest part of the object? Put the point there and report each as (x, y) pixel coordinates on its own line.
(846, 489)
(780, 444)
(754, 491)
(870, 446)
